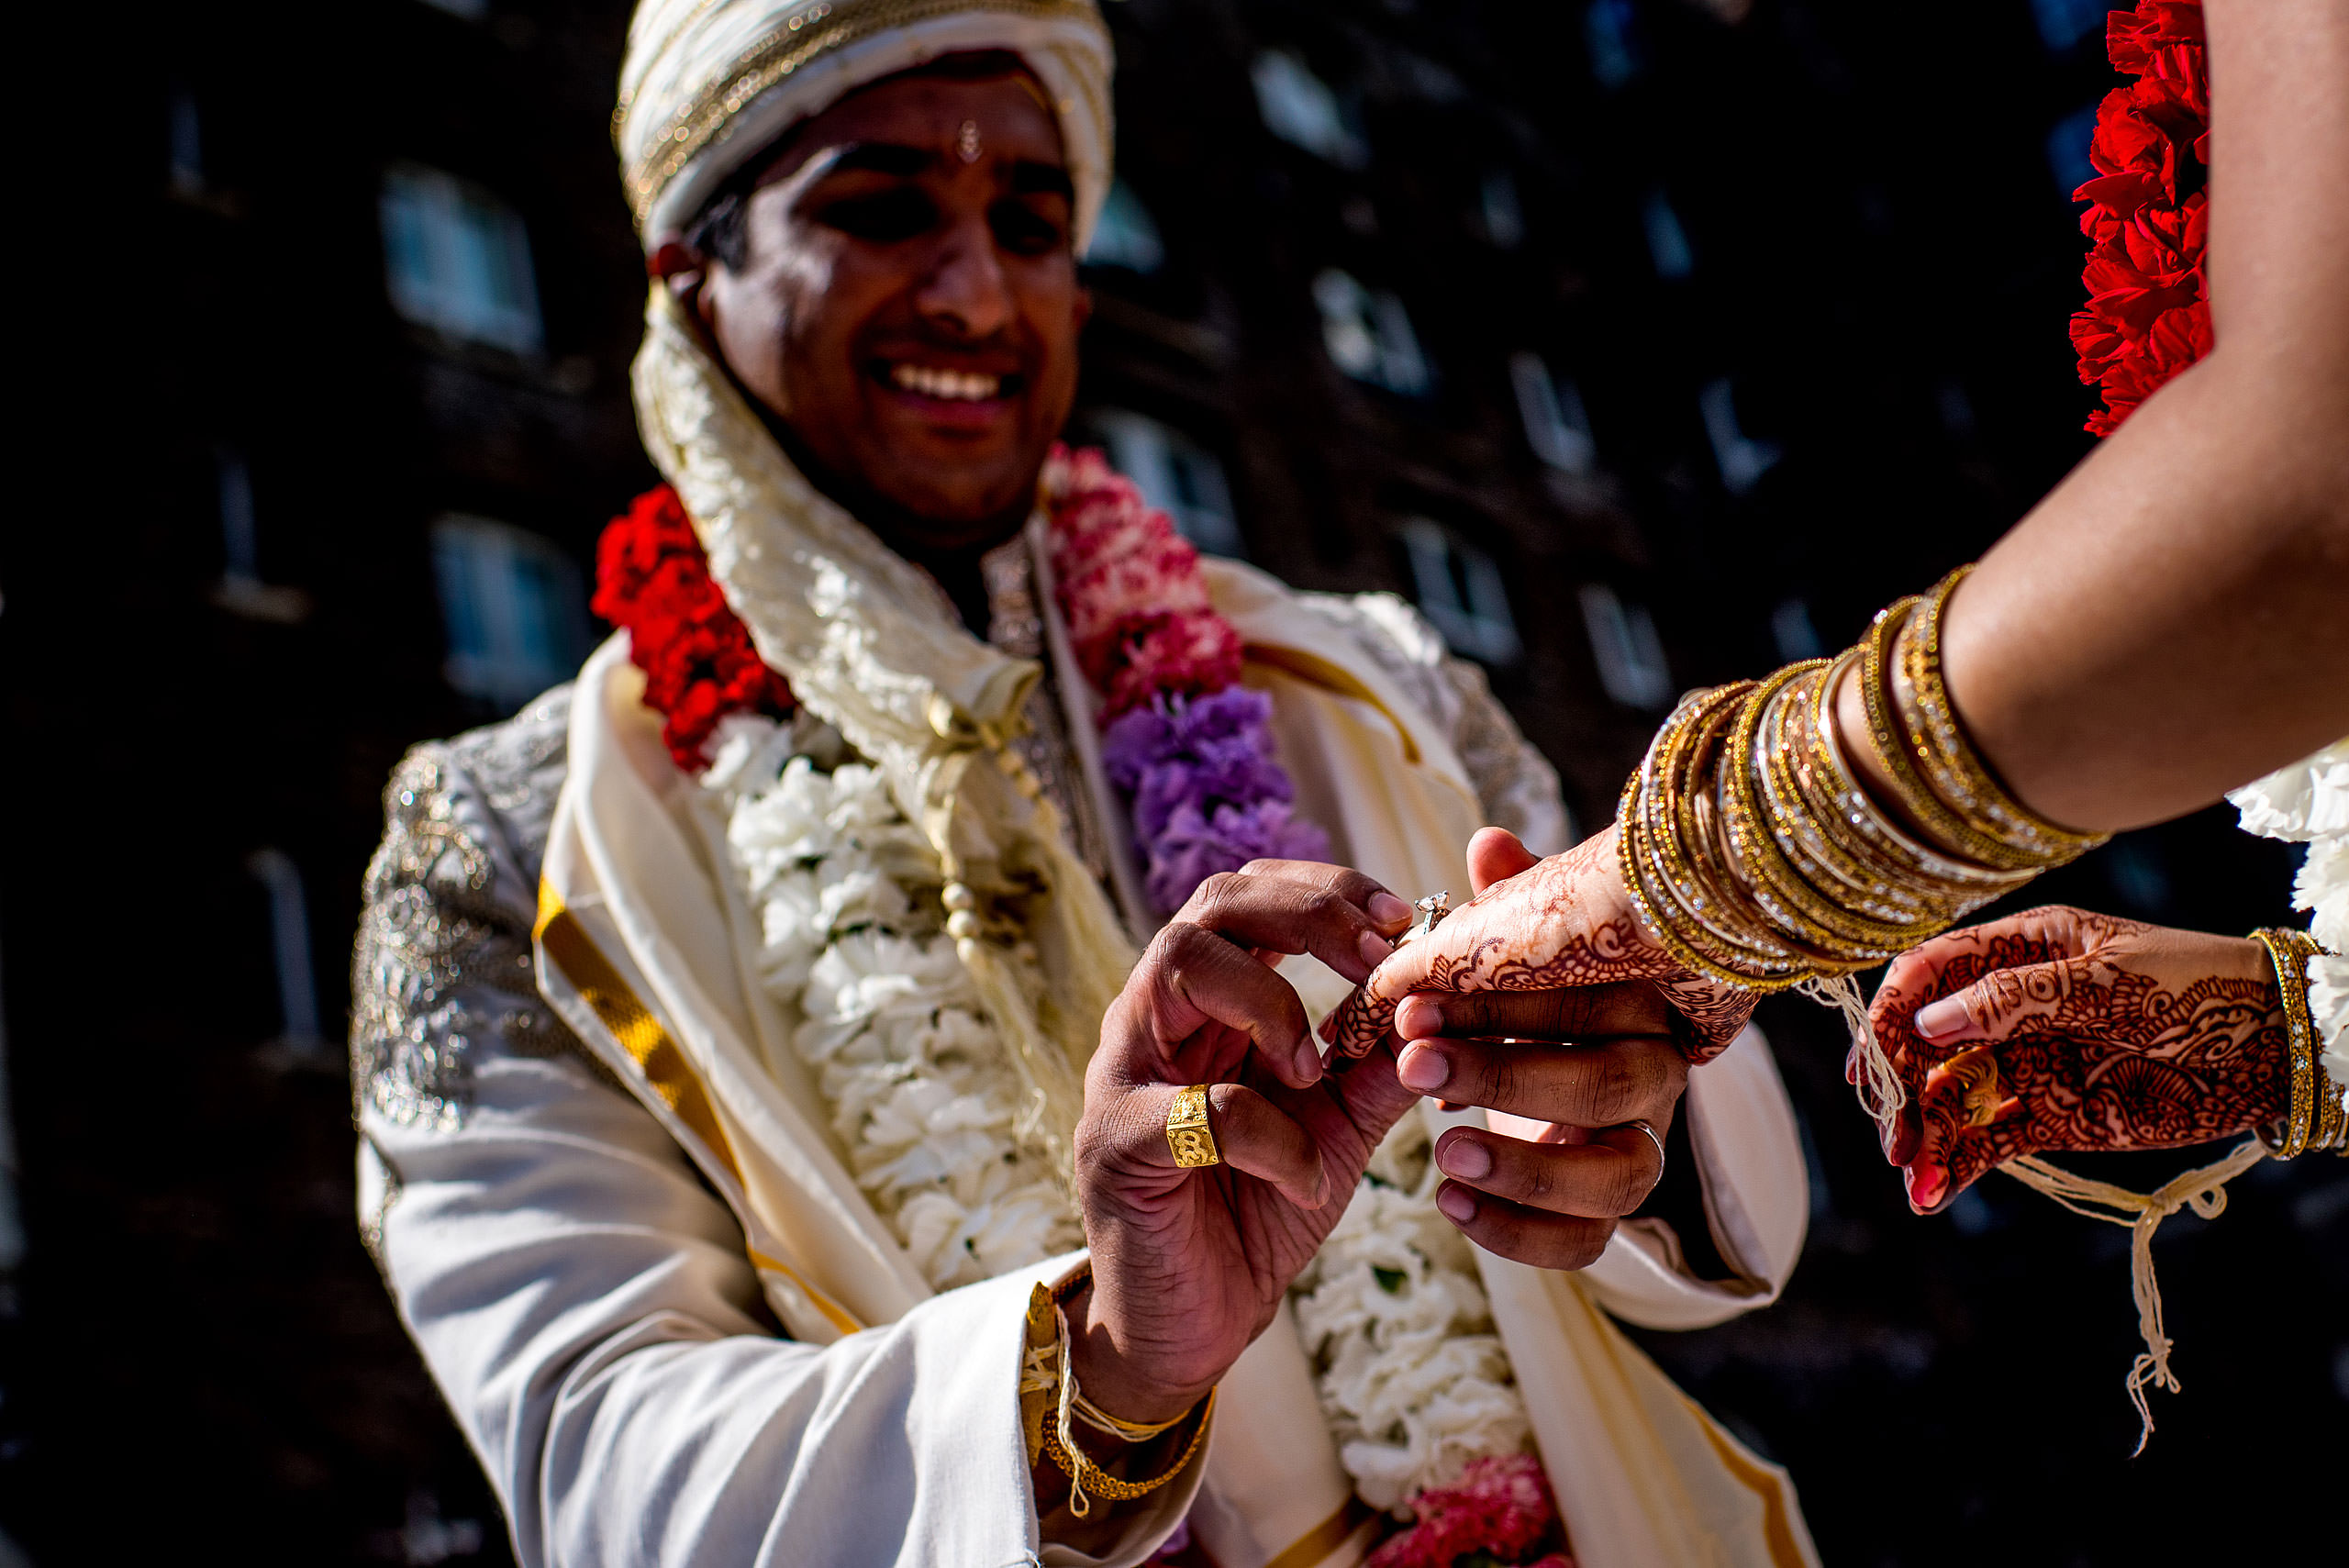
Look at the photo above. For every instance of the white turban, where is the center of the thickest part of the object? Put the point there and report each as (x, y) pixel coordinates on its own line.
(709, 84)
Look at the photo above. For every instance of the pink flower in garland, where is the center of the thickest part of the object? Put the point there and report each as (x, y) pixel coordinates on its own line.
(1500, 1513)
(1190, 748)
(1138, 612)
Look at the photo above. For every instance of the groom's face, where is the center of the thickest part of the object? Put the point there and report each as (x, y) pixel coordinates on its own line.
(907, 304)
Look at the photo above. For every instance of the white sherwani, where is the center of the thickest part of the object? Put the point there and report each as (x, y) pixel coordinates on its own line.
(673, 1337)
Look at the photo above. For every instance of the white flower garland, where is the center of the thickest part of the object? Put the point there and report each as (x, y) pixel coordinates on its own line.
(1412, 1379)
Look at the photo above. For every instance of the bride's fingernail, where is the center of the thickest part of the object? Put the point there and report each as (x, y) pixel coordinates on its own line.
(1926, 1185)
(1418, 1018)
(1375, 949)
(1456, 1204)
(1943, 1019)
(1387, 909)
(1422, 1069)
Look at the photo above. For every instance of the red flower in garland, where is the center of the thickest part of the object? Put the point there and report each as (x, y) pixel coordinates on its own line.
(2148, 316)
(652, 581)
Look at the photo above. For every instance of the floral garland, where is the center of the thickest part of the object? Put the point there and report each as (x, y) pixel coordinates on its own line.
(652, 581)
(1190, 748)
(1413, 1379)
(2148, 315)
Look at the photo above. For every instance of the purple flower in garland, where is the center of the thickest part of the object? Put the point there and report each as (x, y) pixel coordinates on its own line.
(1206, 794)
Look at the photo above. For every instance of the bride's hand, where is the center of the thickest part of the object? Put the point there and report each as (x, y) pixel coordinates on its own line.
(2060, 1029)
(1189, 1266)
(1563, 921)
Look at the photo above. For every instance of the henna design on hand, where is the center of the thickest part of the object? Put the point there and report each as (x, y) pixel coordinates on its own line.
(1566, 921)
(2107, 1034)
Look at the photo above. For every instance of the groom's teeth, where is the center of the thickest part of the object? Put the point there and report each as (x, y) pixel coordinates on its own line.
(962, 386)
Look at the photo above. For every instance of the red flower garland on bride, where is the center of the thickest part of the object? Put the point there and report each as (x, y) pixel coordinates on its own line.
(653, 582)
(2148, 315)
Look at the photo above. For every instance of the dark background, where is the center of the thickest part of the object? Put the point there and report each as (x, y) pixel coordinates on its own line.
(1808, 264)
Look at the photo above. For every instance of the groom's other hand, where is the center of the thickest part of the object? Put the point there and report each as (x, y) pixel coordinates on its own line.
(1561, 1077)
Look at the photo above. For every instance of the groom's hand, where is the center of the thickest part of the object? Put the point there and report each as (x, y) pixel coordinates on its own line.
(1189, 1266)
(1562, 1075)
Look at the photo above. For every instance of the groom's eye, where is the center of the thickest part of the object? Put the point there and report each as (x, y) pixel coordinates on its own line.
(884, 218)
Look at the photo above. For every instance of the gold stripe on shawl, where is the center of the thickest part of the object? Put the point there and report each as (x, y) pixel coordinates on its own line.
(833, 1312)
(1324, 1538)
(662, 1061)
(1312, 667)
(1770, 1488)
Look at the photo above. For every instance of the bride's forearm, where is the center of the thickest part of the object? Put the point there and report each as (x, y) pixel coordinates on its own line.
(2173, 619)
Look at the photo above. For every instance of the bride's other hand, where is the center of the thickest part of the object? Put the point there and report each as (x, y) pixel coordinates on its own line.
(1547, 924)
(2058, 1029)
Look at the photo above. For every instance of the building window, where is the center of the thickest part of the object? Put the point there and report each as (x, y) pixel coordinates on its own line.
(289, 940)
(457, 260)
(241, 589)
(1610, 33)
(514, 608)
(2067, 150)
(1126, 235)
(1792, 630)
(2063, 23)
(187, 180)
(1503, 214)
(1459, 589)
(1368, 335)
(1555, 425)
(1741, 459)
(1300, 107)
(1175, 475)
(1628, 653)
(1668, 244)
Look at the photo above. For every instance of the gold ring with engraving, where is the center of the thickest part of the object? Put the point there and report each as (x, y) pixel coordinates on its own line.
(1187, 1129)
(1977, 1070)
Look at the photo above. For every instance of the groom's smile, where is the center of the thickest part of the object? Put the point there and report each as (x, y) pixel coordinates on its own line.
(901, 300)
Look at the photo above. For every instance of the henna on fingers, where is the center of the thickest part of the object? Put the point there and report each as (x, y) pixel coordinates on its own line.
(2106, 1034)
(1563, 922)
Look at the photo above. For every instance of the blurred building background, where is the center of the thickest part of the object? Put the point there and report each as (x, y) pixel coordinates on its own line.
(1643, 343)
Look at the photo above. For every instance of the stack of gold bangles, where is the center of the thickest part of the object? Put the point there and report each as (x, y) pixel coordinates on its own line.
(2316, 1119)
(1050, 1405)
(1759, 858)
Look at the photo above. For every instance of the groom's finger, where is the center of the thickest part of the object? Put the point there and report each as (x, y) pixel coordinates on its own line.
(1603, 1085)
(1525, 1234)
(1249, 1132)
(1340, 917)
(1603, 1179)
(1582, 1012)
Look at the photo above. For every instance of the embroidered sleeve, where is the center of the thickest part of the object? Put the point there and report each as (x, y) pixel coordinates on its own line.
(1516, 783)
(443, 956)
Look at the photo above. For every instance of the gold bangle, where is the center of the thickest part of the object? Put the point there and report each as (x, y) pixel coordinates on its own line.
(1953, 766)
(1086, 1480)
(2287, 954)
(1117, 1427)
(1953, 832)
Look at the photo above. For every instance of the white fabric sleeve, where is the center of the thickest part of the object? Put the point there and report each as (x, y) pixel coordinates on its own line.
(584, 1303)
(584, 1300)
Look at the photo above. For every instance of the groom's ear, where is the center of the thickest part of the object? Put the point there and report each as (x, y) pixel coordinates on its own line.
(1496, 854)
